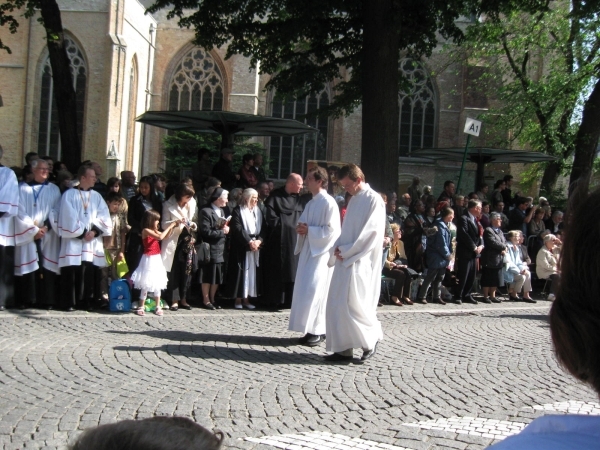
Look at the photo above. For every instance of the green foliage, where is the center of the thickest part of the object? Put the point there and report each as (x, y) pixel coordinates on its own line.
(8, 18)
(539, 67)
(181, 150)
(305, 43)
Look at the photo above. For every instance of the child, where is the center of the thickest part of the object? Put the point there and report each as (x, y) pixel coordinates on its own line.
(151, 276)
(114, 245)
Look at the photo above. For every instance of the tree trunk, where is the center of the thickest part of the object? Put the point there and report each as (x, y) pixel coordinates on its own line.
(586, 143)
(379, 80)
(550, 177)
(64, 92)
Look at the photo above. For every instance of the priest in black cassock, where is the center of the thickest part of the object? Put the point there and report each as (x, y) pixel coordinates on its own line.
(283, 209)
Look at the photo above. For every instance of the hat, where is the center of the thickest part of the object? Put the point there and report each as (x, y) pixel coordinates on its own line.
(218, 193)
(226, 150)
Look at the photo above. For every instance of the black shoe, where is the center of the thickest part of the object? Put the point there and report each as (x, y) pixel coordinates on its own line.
(174, 308)
(458, 301)
(368, 354)
(313, 341)
(336, 357)
(189, 308)
(304, 339)
(469, 299)
(49, 307)
(515, 298)
(70, 309)
(495, 300)
(216, 306)
(206, 306)
(529, 300)
(487, 300)
(22, 307)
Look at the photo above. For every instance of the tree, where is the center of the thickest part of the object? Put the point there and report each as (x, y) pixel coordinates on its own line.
(307, 44)
(544, 67)
(64, 92)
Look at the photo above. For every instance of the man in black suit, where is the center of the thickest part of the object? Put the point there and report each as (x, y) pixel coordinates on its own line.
(468, 248)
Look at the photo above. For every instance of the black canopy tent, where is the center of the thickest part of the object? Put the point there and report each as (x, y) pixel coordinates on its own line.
(482, 156)
(227, 124)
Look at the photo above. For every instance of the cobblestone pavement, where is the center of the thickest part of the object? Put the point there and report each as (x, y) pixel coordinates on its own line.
(450, 376)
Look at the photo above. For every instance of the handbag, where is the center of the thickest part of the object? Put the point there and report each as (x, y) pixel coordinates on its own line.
(203, 252)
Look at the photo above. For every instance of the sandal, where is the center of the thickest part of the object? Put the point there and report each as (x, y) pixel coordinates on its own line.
(140, 311)
(158, 312)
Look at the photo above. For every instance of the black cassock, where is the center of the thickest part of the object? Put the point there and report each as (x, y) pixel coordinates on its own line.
(277, 259)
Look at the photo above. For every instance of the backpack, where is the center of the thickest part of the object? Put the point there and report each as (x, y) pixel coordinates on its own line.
(119, 296)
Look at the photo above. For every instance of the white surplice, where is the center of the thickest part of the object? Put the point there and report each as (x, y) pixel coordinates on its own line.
(351, 314)
(314, 275)
(9, 205)
(37, 204)
(74, 220)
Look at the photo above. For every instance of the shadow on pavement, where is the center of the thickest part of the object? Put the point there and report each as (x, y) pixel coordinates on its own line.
(188, 336)
(540, 317)
(229, 354)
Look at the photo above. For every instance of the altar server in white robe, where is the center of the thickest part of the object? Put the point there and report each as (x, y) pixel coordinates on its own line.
(351, 315)
(37, 240)
(318, 228)
(9, 207)
(83, 220)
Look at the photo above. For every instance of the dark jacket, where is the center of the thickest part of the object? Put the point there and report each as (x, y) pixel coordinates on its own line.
(212, 232)
(494, 244)
(467, 238)
(439, 246)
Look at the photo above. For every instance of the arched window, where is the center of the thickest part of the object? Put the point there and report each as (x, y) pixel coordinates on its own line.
(197, 83)
(48, 129)
(417, 108)
(289, 154)
(133, 86)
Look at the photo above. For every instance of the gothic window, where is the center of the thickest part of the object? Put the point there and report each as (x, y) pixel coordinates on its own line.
(48, 129)
(131, 124)
(197, 83)
(289, 154)
(417, 108)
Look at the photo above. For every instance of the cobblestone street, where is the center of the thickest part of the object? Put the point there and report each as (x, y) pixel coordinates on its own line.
(455, 377)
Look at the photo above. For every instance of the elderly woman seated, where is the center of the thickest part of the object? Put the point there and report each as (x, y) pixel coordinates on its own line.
(515, 271)
(396, 267)
(546, 263)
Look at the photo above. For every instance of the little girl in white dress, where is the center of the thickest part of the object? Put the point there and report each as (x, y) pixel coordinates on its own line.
(151, 276)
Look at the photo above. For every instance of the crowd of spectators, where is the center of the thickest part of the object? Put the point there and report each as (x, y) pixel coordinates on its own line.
(496, 241)
(235, 235)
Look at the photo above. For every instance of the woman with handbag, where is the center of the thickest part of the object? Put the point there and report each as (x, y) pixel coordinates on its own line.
(177, 250)
(213, 231)
(247, 237)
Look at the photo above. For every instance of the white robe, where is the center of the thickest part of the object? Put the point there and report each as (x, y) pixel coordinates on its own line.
(29, 221)
(9, 205)
(351, 315)
(73, 222)
(314, 275)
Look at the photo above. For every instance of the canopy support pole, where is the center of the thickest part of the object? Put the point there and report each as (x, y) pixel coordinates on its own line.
(462, 167)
